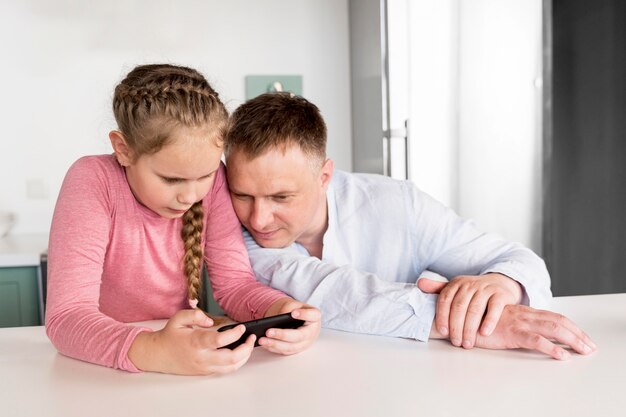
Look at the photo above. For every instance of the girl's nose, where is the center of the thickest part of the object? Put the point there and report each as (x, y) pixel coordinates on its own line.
(187, 195)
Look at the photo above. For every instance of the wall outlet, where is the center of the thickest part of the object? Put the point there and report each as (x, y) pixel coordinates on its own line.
(259, 84)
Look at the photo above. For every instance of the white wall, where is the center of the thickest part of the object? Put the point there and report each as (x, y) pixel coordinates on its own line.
(476, 111)
(500, 117)
(433, 87)
(61, 60)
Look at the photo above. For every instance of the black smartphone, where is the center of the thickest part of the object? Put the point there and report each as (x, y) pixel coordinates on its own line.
(260, 326)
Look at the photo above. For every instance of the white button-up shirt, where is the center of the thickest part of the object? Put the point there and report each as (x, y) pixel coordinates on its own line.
(382, 235)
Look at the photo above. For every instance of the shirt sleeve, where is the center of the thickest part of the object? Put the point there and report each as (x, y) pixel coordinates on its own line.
(235, 288)
(450, 245)
(78, 240)
(349, 299)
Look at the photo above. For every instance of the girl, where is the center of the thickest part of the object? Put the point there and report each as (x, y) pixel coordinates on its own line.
(116, 254)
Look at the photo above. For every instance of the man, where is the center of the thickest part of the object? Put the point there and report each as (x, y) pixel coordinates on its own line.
(354, 245)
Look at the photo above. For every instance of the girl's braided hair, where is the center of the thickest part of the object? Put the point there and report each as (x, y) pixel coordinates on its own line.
(148, 104)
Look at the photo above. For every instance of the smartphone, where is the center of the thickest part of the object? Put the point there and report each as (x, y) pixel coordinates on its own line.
(260, 326)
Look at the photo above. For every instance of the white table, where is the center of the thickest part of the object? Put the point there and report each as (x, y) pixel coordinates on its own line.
(341, 375)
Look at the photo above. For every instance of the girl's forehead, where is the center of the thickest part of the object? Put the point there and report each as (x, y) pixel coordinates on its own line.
(203, 131)
(187, 158)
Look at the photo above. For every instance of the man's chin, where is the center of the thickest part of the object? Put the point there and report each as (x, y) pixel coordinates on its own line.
(271, 243)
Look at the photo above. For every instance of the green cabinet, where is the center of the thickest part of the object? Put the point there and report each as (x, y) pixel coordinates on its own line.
(19, 297)
(210, 305)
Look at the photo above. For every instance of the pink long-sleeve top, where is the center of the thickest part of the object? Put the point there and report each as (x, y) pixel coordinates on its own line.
(113, 261)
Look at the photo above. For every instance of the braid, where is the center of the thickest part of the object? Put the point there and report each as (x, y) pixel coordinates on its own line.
(193, 256)
(192, 259)
(153, 99)
(148, 105)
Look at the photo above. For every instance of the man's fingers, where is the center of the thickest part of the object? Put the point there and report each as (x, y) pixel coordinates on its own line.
(429, 286)
(458, 311)
(558, 328)
(557, 331)
(475, 312)
(535, 341)
(583, 340)
(494, 311)
(442, 315)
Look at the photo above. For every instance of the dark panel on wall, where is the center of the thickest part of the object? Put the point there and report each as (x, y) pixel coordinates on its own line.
(367, 88)
(585, 231)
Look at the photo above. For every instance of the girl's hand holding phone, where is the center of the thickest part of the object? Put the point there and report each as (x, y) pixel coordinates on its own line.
(184, 347)
(291, 341)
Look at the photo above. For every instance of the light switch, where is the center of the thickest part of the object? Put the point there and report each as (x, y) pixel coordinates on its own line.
(259, 84)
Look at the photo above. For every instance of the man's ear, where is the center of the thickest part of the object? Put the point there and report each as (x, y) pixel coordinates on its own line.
(326, 172)
(123, 153)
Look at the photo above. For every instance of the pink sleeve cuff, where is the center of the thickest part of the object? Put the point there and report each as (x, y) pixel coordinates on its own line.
(124, 363)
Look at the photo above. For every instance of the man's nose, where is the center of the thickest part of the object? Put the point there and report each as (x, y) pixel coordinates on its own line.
(261, 215)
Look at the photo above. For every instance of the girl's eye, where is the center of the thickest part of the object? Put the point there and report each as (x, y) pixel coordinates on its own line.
(172, 180)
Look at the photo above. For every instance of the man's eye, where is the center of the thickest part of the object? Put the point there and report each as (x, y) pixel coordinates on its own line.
(281, 197)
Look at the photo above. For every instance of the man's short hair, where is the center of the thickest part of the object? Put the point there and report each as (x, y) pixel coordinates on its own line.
(276, 120)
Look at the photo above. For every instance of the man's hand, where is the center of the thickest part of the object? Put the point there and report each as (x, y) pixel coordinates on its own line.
(525, 327)
(290, 341)
(528, 328)
(463, 301)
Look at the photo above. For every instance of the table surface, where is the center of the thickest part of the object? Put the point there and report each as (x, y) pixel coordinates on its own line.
(342, 374)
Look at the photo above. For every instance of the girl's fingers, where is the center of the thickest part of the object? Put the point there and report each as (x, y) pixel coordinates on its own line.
(289, 335)
(307, 314)
(190, 318)
(289, 341)
(214, 340)
(280, 346)
(226, 360)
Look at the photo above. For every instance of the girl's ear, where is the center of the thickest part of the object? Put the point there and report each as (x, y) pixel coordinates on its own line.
(123, 153)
